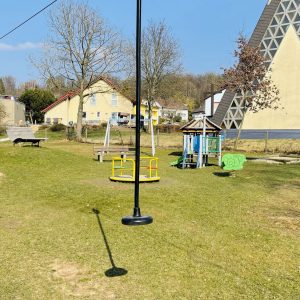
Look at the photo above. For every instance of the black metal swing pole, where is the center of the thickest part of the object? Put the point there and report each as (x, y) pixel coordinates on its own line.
(137, 218)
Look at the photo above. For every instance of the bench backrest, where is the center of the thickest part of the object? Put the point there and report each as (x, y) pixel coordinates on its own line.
(14, 133)
(112, 149)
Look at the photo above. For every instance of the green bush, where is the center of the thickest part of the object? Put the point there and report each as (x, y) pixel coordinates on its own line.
(58, 127)
(177, 119)
(90, 128)
(44, 126)
(103, 124)
(95, 127)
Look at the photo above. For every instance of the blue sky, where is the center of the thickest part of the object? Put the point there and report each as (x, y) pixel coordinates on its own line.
(206, 30)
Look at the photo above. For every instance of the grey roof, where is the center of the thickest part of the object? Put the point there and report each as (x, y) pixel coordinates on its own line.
(254, 41)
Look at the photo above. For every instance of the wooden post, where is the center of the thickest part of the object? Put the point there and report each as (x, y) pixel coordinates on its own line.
(220, 150)
(152, 137)
(185, 150)
(121, 139)
(86, 134)
(130, 138)
(201, 151)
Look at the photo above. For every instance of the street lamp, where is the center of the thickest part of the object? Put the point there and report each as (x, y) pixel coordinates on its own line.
(137, 218)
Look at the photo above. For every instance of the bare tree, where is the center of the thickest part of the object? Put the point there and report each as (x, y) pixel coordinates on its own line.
(2, 87)
(82, 48)
(10, 85)
(160, 58)
(58, 85)
(2, 112)
(249, 78)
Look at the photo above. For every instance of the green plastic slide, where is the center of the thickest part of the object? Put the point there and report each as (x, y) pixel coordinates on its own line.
(177, 162)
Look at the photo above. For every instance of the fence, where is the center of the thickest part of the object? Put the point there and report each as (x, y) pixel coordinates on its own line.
(272, 134)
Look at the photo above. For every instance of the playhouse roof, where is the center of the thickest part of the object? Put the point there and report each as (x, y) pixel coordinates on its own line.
(197, 125)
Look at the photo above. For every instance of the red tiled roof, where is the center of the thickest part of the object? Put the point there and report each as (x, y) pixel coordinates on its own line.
(71, 94)
(59, 100)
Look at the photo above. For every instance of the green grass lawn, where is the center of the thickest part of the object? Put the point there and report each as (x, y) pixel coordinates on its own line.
(212, 237)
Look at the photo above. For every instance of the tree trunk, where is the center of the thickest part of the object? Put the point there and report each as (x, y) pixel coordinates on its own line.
(79, 118)
(240, 129)
(30, 117)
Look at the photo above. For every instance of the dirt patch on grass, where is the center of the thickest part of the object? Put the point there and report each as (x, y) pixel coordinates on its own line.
(102, 182)
(282, 209)
(294, 184)
(10, 223)
(76, 281)
(287, 222)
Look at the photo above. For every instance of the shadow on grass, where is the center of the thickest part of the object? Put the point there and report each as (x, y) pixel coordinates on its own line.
(104, 160)
(114, 271)
(176, 153)
(34, 146)
(224, 174)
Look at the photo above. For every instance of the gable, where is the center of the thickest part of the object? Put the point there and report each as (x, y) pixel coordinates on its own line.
(100, 86)
(285, 74)
(277, 17)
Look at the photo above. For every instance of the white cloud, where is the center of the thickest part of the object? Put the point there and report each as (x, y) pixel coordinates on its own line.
(20, 47)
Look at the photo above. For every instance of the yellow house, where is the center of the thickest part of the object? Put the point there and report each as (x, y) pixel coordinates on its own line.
(102, 102)
(145, 111)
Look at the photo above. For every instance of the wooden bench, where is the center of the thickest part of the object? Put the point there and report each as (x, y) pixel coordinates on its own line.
(101, 151)
(23, 135)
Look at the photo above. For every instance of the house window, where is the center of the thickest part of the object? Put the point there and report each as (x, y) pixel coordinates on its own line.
(84, 114)
(98, 114)
(114, 99)
(93, 100)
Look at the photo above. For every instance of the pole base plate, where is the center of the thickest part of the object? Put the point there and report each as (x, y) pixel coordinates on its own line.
(136, 221)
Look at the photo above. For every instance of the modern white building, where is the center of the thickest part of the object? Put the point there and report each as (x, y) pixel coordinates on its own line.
(209, 105)
(172, 110)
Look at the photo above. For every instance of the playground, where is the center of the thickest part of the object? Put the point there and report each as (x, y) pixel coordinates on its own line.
(212, 237)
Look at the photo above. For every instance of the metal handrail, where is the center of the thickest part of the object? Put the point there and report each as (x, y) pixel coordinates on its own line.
(151, 166)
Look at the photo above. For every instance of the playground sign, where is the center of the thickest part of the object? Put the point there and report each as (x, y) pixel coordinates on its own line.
(233, 162)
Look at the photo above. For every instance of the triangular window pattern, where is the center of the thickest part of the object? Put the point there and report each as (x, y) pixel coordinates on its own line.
(297, 19)
(292, 16)
(274, 22)
(285, 4)
(280, 9)
(273, 45)
(286, 20)
(292, 7)
(287, 14)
